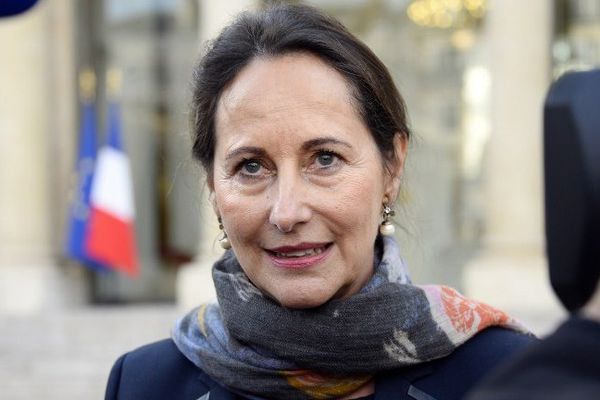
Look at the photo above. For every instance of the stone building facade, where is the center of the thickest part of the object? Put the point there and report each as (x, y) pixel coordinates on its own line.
(502, 258)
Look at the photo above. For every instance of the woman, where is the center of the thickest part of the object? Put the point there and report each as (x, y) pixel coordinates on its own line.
(303, 136)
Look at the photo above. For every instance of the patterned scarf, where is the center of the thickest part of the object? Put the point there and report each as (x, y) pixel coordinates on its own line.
(258, 349)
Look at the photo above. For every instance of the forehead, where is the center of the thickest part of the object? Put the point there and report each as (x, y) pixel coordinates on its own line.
(273, 88)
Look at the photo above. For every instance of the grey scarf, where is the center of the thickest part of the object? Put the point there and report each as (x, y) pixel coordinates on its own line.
(259, 349)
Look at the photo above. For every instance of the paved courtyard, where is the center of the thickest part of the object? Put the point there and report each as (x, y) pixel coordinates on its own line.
(68, 355)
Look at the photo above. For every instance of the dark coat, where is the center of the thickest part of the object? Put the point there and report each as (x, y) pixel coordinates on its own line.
(160, 371)
(564, 366)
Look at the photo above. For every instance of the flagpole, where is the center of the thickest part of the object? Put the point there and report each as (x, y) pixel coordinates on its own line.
(114, 80)
(87, 85)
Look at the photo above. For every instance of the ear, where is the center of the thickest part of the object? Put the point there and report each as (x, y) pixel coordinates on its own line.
(395, 168)
(210, 184)
(213, 201)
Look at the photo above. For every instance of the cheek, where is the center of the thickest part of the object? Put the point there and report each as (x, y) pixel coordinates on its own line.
(238, 213)
(359, 204)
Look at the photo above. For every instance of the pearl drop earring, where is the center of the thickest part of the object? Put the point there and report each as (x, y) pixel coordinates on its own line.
(387, 227)
(223, 240)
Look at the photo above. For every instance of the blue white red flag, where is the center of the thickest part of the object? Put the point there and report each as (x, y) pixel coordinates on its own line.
(110, 237)
(80, 205)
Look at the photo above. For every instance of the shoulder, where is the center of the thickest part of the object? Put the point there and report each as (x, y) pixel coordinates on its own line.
(469, 363)
(155, 371)
(490, 347)
(453, 376)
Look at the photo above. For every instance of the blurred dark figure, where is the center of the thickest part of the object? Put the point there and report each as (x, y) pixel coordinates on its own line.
(566, 365)
(9, 8)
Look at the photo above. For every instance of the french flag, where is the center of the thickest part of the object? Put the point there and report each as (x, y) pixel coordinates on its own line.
(111, 231)
(80, 204)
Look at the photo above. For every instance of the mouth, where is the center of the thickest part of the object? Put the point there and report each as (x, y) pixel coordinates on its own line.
(299, 256)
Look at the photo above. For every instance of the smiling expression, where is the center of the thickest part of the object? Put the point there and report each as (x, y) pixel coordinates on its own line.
(298, 180)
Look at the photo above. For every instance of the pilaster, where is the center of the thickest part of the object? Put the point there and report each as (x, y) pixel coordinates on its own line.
(37, 112)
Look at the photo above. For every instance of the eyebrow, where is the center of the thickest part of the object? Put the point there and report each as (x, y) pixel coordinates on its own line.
(322, 141)
(260, 152)
(257, 151)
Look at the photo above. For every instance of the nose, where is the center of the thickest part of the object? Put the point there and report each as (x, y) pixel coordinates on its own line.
(290, 205)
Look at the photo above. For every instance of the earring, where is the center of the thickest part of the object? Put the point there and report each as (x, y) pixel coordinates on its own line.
(223, 240)
(387, 227)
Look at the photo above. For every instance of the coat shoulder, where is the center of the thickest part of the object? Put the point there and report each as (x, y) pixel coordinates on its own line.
(153, 372)
(462, 370)
(492, 346)
(451, 377)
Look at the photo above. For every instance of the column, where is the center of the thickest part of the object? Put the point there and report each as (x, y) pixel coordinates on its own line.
(511, 270)
(35, 105)
(194, 280)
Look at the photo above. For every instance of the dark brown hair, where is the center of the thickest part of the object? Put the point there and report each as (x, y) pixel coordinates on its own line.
(284, 29)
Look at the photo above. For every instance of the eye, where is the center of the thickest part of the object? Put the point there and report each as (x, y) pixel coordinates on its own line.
(251, 167)
(326, 159)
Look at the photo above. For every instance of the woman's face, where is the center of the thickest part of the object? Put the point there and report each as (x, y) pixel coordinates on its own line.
(298, 180)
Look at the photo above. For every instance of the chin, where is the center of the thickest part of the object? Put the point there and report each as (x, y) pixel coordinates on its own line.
(302, 300)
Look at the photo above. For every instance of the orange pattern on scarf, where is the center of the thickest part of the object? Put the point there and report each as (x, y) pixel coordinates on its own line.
(469, 315)
(320, 386)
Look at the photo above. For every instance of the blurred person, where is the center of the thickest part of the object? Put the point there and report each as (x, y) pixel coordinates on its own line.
(563, 366)
(303, 136)
(566, 364)
(10, 8)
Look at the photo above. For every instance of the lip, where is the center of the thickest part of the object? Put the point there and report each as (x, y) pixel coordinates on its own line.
(298, 262)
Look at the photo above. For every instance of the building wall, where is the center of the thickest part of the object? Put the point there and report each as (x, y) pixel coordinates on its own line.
(37, 118)
(38, 121)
